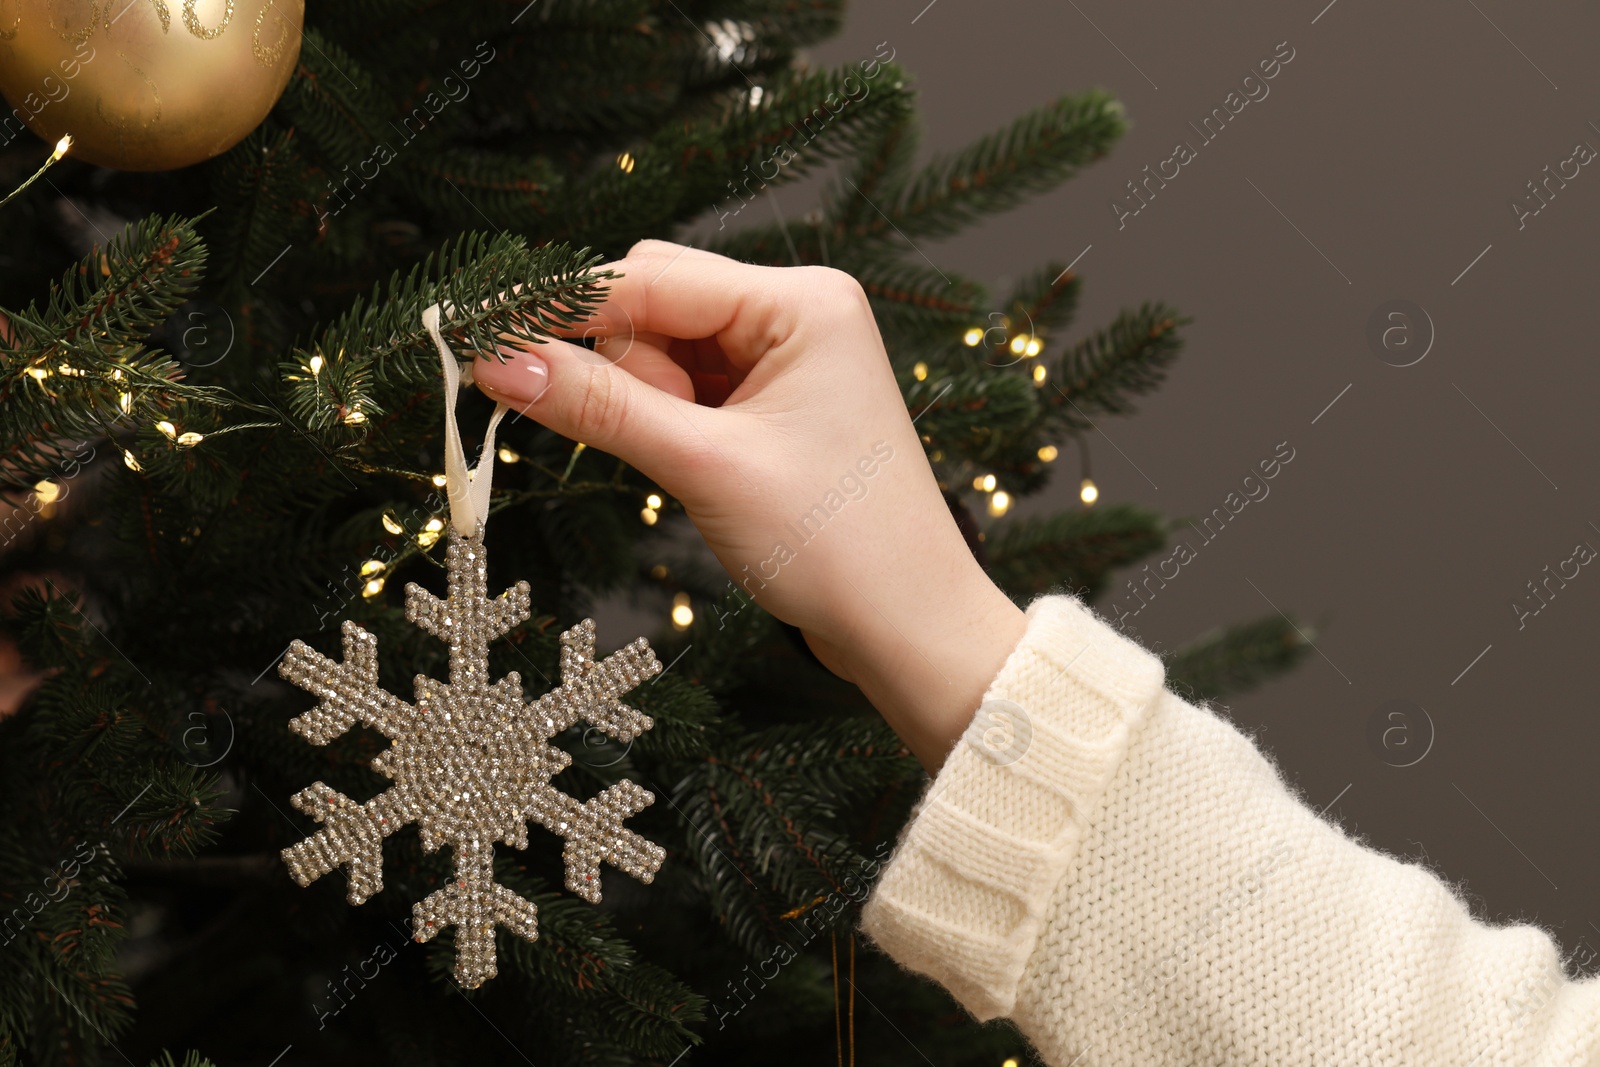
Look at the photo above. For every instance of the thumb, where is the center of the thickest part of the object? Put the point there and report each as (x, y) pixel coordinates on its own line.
(578, 394)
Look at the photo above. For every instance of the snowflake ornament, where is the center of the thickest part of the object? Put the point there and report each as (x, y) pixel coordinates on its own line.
(471, 762)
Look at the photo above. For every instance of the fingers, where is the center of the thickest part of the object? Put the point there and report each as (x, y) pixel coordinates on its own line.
(648, 360)
(682, 292)
(641, 417)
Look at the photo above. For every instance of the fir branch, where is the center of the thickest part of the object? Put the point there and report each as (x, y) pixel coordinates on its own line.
(800, 120)
(76, 367)
(620, 81)
(768, 831)
(846, 759)
(727, 637)
(90, 727)
(1103, 372)
(687, 718)
(1227, 662)
(511, 191)
(578, 951)
(653, 1009)
(970, 412)
(332, 99)
(1037, 152)
(191, 1058)
(178, 815)
(913, 301)
(125, 291)
(47, 627)
(1075, 550)
(883, 164)
(1045, 300)
(589, 15)
(720, 160)
(489, 284)
(744, 37)
(259, 187)
(91, 1007)
(784, 24)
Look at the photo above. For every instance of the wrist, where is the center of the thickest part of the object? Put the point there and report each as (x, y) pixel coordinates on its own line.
(926, 668)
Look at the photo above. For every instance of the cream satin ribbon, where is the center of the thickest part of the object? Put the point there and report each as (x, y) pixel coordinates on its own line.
(468, 490)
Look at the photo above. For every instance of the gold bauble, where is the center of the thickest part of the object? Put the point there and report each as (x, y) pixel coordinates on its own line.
(144, 84)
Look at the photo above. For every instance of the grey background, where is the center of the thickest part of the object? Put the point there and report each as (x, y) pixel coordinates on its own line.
(1418, 506)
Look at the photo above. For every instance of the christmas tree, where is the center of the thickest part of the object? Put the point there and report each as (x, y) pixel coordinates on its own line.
(223, 419)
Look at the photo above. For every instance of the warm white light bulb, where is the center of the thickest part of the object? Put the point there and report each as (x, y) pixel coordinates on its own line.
(1089, 492)
(682, 613)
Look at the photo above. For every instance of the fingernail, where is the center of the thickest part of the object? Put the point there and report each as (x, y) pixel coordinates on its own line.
(524, 376)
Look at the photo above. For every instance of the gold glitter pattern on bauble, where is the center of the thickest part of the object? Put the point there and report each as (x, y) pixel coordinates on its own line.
(269, 55)
(471, 762)
(192, 20)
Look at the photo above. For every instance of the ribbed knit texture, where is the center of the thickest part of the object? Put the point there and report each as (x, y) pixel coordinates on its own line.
(1133, 882)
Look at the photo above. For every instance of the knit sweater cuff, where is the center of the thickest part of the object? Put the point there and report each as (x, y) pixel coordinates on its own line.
(964, 897)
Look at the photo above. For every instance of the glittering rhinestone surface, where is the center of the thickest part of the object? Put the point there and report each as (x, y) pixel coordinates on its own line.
(471, 762)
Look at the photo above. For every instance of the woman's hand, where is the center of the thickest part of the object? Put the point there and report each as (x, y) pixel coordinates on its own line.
(763, 400)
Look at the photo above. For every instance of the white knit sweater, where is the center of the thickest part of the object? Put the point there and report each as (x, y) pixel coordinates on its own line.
(1129, 879)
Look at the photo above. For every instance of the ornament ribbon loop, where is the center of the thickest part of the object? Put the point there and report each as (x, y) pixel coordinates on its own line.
(468, 490)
